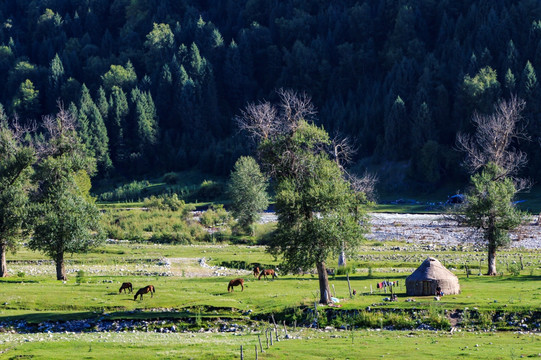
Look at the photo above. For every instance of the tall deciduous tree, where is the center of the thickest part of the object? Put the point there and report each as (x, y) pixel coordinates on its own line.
(248, 192)
(65, 218)
(16, 160)
(490, 209)
(319, 213)
(494, 163)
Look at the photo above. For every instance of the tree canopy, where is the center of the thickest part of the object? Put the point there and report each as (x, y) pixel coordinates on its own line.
(319, 212)
(373, 68)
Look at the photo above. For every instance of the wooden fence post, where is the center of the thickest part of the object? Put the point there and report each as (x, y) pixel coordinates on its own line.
(255, 352)
(260, 346)
(241, 353)
(349, 286)
(285, 328)
(275, 327)
(333, 290)
(267, 336)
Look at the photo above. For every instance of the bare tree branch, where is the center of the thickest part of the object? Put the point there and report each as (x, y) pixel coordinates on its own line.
(495, 137)
(61, 131)
(295, 107)
(342, 150)
(365, 184)
(259, 121)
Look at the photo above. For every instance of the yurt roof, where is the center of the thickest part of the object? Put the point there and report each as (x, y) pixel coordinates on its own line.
(431, 269)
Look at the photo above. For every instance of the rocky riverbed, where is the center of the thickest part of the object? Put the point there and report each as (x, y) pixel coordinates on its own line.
(435, 229)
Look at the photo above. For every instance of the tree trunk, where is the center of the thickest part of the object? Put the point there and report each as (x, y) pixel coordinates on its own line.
(60, 269)
(324, 290)
(342, 259)
(3, 263)
(492, 260)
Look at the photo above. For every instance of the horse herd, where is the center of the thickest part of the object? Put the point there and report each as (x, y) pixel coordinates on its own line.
(128, 286)
(257, 273)
(235, 282)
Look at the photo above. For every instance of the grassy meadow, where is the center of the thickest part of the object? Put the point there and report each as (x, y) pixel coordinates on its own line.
(305, 344)
(182, 283)
(191, 274)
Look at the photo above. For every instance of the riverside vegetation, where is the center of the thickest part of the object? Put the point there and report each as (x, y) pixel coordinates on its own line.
(191, 296)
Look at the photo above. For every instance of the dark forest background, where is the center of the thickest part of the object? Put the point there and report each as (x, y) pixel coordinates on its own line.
(155, 84)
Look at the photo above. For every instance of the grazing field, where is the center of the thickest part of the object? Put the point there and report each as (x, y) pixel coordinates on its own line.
(192, 315)
(304, 344)
(197, 276)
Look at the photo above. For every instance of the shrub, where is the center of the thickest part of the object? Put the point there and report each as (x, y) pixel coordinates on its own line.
(216, 215)
(366, 319)
(170, 178)
(127, 192)
(437, 319)
(80, 277)
(168, 202)
(399, 320)
(514, 269)
(485, 320)
(343, 270)
(209, 190)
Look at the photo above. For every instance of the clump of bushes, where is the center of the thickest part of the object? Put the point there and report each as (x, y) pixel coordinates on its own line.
(127, 192)
(216, 216)
(209, 190)
(170, 178)
(168, 202)
(80, 277)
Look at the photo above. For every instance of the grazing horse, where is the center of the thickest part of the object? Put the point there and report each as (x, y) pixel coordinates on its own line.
(124, 286)
(147, 289)
(267, 272)
(235, 282)
(256, 271)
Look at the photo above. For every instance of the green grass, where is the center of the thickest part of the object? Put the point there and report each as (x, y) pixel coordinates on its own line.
(307, 344)
(110, 265)
(47, 295)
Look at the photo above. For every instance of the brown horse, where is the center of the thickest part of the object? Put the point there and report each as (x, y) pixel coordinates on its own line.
(147, 289)
(124, 286)
(267, 272)
(256, 271)
(235, 282)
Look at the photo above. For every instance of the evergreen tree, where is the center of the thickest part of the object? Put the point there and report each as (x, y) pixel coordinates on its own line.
(396, 132)
(102, 104)
(145, 119)
(93, 131)
(528, 81)
(56, 79)
(510, 81)
(118, 112)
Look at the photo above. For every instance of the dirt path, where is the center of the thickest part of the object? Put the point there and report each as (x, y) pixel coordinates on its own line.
(197, 267)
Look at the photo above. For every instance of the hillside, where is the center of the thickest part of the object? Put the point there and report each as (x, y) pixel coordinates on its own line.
(155, 85)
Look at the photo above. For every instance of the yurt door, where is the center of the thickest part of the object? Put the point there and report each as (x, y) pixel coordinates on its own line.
(427, 288)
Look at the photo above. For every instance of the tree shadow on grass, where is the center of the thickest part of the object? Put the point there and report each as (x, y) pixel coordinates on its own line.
(519, 278)
(51, 316)
(18, 281)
